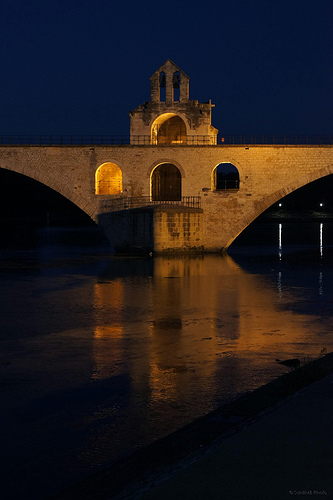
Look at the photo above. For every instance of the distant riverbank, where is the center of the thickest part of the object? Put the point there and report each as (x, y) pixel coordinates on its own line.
(285, 216)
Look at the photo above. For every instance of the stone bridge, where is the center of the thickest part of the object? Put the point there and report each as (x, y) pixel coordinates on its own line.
(95, 177)
(172, 188)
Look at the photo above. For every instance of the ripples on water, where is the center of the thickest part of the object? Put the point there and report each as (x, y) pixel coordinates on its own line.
(100, 354)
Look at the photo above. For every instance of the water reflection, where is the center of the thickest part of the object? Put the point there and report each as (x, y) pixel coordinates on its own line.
(116, 353)
(280, 241)
(321, 286)
(108, 330)
(314, 237)
(196, 332)
(280, 253)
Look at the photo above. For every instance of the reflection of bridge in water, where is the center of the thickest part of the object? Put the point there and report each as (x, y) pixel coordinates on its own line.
(173, 156)
(201, 323)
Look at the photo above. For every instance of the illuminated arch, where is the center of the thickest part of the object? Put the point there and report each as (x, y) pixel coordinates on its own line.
(166, 183)
(225, 177)
(168, 128)
(108, 179)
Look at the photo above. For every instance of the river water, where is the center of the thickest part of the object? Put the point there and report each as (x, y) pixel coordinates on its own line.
(101, 354)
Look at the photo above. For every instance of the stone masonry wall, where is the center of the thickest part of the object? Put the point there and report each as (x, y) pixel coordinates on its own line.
(160, 230)
(129, 230)
(178, 230)
(267, 174)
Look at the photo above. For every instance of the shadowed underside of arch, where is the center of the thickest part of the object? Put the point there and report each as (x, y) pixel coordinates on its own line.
(263, 205)
(65, 189)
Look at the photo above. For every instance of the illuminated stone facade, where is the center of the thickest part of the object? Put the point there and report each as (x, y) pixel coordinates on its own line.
(170, 117)
(267, 174)
(172, 155)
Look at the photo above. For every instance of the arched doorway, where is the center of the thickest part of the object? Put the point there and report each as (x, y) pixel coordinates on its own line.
(108, 179)
(169, 129)
(225, 176)
(166, 183)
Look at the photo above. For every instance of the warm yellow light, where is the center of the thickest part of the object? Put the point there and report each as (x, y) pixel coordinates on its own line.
(108, 179)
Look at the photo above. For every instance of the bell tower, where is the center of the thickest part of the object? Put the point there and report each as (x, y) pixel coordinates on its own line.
(173, 80)
(170, 117)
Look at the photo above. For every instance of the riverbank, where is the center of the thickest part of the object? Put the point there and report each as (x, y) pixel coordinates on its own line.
(165, 457)
(287, 216)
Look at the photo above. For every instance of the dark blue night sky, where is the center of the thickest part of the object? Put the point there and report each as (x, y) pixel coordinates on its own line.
(79, 67)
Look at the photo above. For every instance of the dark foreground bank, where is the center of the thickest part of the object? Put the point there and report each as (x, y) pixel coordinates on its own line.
(139, 471)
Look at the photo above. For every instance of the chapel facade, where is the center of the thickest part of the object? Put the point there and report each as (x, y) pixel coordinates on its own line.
(170, 117)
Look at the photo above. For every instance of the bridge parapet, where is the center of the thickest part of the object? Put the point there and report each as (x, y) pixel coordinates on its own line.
(145, 140)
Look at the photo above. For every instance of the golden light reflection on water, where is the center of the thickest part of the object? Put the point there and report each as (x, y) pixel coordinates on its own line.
(190, 322)
(108, 304)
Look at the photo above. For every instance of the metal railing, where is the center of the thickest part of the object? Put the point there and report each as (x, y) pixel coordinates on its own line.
(188, 140)
(292, 140)
(64, 140)
(127, 203)
(101, 140)
(145, 140)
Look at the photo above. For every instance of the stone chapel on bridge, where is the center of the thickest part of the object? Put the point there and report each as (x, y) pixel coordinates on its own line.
(170, 117)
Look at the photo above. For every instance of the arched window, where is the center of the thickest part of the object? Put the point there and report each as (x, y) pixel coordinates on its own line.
(162, 80)
(166, 183)
(176, 86)
(226, 176)
(108, 179)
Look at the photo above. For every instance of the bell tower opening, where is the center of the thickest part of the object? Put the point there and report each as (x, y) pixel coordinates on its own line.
(162, 81)
(176, 86)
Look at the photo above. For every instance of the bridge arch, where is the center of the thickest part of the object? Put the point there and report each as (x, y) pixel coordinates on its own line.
(278, 195)
(108, 179)
(168, 128)
(293, 186)
(166, 182)
(65, 188)
(225, 176)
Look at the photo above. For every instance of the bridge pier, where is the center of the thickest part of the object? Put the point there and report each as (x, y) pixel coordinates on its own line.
(154, 230)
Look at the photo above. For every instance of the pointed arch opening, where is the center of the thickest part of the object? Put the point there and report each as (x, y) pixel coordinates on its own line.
(166, 183)
(108, 179)
(162, 82)
(225, 177)
(169, 128)
(176, 86)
